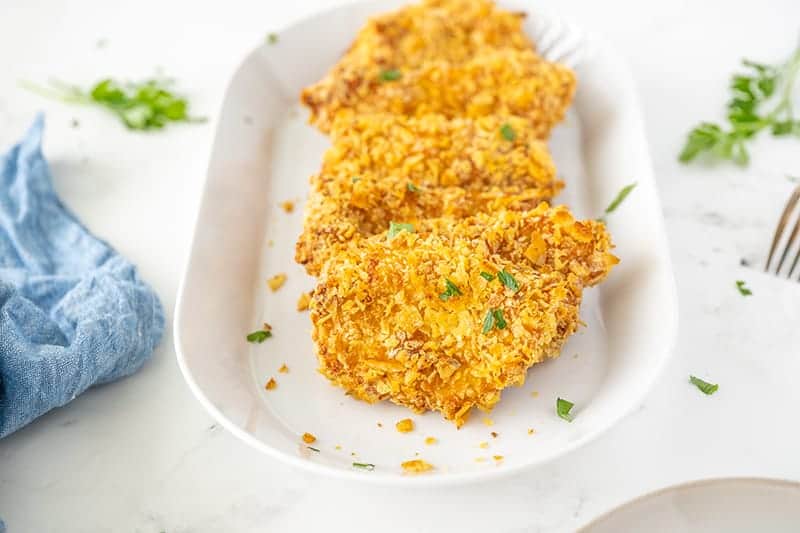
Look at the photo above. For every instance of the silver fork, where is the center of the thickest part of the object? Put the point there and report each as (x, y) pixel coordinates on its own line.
(785, 221)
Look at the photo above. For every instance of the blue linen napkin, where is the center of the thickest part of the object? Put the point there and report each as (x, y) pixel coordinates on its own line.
(73, 312)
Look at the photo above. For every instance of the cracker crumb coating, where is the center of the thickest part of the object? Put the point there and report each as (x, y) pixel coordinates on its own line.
(383, 333)
(387, 168)
(494, 81)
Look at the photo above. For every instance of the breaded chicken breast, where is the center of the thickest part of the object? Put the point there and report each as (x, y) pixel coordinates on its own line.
(450, 30)
(385, 168)
(434, 150)
(445, 317)
(496, 81)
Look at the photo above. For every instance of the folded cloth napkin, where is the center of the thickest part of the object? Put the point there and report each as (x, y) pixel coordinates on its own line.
(73, 313)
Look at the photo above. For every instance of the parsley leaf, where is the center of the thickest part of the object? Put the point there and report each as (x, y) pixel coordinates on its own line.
(706, 387)
(411, 187)
(397, 227)
(487, 276)
(743, 290)
(488, 321)
(494, 318)
(391, 74)
(563, 407)
(617, 201)
(365, 466)
(751, 92)
(257, 337)
(508, 280)
(272, 38)
(451, 289)
(146, 105)
(508, 132)
(499, 321)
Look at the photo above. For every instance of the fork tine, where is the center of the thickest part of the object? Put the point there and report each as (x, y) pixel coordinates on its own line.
(792, 237)
(787, 211)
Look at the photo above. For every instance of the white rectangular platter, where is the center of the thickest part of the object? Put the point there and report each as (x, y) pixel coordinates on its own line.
(264, 154)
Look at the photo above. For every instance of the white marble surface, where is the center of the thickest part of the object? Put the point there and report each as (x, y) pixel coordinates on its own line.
(142, 455)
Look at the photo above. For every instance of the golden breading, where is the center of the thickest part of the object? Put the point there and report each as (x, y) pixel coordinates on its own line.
(434, 151)
(497, 81)
(388, 325)
(383, 168)
(365, 208)
(451, 30)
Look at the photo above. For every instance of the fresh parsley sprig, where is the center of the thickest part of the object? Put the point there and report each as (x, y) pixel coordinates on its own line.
(704, 386)
(141, 106)
(749, 112)
(563, 407)
(451, 290)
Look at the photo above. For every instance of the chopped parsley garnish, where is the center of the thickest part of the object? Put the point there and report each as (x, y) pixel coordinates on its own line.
(748, 114)
(313, 449)
(704, 386)
(391, 74)
(615, 203)
(508, 132)
(259, 336)
(356, 180)
(411, 187)
(508, 280)
(272, 38)
(743, 290)
(487, 276)
(146, 105)
(451, 289)
(365, 466)
(563, 407)
(494, 318)
(397, 227)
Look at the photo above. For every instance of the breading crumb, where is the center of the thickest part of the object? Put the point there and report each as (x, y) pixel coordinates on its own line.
(287, 206)
(283, 369)
(531, 431)
(535, 394)
(271, 384)
(416, 466)
(430, 440)
(276, 281)
(302, 302)
(480, 459)
(483, 445)
(308, 438)
(380, 425)
(406, 425)
(488, 421)
(494, 434)
(338, 447)
(497, 457)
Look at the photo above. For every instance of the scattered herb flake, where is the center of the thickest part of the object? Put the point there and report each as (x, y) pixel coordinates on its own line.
(312, 449)
(364, 466)
(743, 290)
(499, 321)
(397, 227)
(487, 276)
(451, 289)
(488, 321)
(259, 336)
(391, 74)
(508, 132)
(508, 280)
(411, 187)
(621, 195)
(272, 38)
(563, 407)
(356, 180)
(706, 387)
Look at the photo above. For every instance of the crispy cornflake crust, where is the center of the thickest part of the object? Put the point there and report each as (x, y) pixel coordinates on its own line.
(416, 466)
(384, 168)
(308, 438)
(276, 282)
(405, 425)
(502, 81)
(383, 333)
